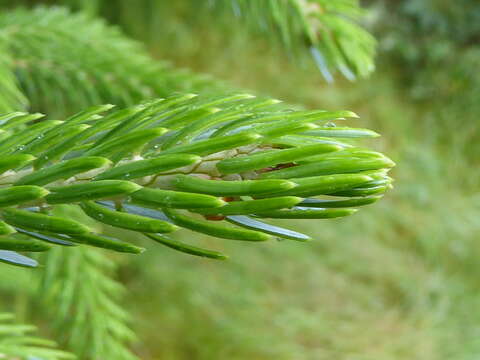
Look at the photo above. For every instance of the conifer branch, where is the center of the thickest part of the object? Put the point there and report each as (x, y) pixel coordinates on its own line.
(169, 162)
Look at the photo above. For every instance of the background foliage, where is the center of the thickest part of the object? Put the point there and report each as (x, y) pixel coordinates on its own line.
(397, 281)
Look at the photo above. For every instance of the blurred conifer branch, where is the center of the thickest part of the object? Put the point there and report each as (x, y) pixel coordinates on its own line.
(66, 61)
(17, 343)
(84, 301)
(12, 97)
(329, 29)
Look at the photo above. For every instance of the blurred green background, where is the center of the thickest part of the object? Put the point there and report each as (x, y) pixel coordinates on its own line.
(399, 280)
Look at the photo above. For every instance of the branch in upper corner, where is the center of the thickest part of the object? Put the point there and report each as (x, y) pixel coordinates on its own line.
(64, 62)
(328, 29)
